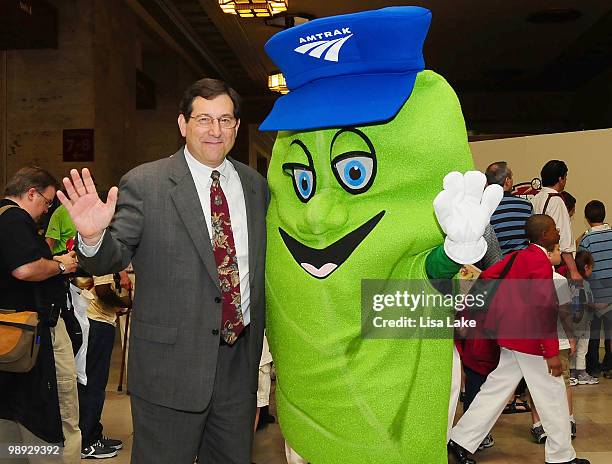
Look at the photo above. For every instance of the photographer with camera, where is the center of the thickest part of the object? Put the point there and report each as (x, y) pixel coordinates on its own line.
(40, 406)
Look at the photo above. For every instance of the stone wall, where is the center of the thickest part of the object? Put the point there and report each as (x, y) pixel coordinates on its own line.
(48, 90)
(89, 82)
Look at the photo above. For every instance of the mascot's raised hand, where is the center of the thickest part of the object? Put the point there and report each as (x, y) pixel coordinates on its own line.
(464, 209)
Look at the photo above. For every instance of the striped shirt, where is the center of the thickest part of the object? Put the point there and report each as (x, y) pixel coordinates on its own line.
(508, 222)
(599, 242)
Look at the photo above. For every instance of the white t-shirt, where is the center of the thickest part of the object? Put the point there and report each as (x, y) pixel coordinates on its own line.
(564, 295)
(557, 210)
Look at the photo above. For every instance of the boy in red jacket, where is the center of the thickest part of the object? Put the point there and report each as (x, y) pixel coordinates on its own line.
(525, 308)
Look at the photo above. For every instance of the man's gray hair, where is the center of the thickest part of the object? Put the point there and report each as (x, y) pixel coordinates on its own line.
(497, 173)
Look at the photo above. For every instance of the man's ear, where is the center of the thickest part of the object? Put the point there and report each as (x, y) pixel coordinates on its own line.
(236, 128)
(182, 123)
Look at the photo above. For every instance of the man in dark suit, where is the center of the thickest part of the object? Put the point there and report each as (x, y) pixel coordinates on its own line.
(193, 225)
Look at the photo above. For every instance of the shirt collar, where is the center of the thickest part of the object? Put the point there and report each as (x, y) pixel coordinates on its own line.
(601, 227)
(202, 169)
(541, 248)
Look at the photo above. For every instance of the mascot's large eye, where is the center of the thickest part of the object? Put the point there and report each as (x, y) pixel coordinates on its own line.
(304, 183)
(355, 171)
(303, 180)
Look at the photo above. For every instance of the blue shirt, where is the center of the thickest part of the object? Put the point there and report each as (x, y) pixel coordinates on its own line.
(508, 222)
(598, 241)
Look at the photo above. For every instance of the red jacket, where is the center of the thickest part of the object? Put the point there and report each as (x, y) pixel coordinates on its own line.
(523, 311)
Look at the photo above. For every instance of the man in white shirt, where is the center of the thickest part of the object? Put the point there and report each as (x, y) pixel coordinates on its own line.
(193, 225)
(549, 201)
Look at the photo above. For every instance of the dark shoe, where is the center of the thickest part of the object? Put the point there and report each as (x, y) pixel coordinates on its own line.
(459, 453)
(265, 418)
(112, 443)
(98, 451)
(573, 428)
(575, 461)
(538, 434)
(488, 442)
(517, 406)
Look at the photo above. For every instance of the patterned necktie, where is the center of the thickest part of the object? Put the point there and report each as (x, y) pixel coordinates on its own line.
(227, 263)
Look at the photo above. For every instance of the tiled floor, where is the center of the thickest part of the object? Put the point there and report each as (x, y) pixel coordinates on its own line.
(592, 405)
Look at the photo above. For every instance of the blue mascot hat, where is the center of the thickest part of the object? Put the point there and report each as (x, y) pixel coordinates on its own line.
(348, 70)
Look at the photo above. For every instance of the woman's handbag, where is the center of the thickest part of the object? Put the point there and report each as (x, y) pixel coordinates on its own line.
(19, 340)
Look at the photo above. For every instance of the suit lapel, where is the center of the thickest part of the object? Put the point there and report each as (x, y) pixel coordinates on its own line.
(250, 200)
(187, 203)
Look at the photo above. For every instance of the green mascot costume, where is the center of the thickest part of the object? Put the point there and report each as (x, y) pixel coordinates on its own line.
(367, 138)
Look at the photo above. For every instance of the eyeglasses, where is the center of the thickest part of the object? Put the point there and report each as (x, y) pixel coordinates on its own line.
(47, 201)
(204, 121)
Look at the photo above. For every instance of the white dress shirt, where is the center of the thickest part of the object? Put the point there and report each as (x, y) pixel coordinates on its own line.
(232, 188)
(557, 210)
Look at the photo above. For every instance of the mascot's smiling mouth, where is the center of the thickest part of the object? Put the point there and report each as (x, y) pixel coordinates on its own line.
(321, 263)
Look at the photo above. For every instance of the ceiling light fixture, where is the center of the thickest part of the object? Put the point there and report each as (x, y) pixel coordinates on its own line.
(277, 83)
(253, 8)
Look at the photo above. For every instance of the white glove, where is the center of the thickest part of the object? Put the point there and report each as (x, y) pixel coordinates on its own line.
(463, 210)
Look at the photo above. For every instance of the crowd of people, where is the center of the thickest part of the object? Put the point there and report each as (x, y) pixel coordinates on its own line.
(535, 238)
(198, 330)
(77, 313)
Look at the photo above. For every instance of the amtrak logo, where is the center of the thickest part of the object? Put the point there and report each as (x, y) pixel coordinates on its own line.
(316, 45)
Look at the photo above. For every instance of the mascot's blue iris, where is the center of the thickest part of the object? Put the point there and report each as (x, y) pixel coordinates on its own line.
(354, 173)
(304, 183)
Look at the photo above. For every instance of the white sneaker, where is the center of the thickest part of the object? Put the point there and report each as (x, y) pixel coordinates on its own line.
(586, 379)
(573, 381)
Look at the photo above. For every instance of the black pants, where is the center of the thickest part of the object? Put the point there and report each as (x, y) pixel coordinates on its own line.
(91, 396)
(473, 382)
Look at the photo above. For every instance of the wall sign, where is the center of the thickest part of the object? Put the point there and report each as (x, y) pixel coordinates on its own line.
(78, 145)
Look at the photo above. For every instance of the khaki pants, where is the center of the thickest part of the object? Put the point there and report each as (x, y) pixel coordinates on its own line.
(14, 433)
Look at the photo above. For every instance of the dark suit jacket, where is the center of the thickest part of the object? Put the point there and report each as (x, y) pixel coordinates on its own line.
(159, 226)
